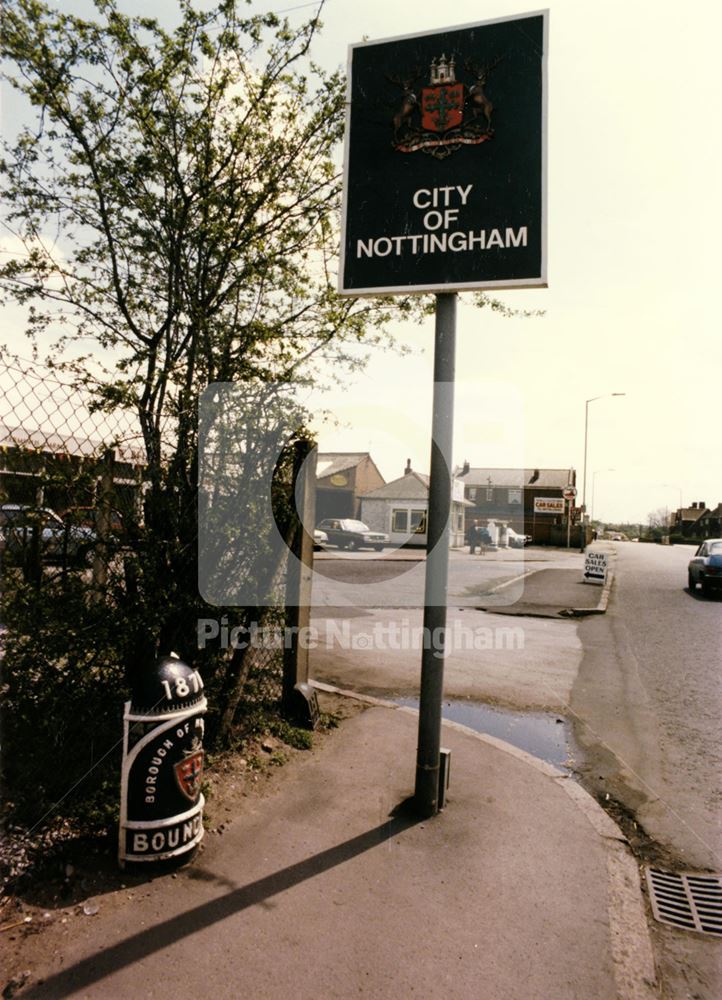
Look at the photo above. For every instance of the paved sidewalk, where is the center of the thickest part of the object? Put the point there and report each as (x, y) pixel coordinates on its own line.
(522, 889)
(551, 593)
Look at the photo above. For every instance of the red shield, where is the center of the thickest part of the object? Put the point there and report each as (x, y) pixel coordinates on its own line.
(442, 108)
(188, 775)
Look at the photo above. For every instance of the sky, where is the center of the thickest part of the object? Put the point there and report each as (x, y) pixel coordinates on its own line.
(634, 212)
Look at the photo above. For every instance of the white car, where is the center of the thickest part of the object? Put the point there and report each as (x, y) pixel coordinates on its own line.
(515, 540)
(320, 538)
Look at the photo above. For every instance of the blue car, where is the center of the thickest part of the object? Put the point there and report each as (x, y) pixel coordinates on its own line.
(706, 567)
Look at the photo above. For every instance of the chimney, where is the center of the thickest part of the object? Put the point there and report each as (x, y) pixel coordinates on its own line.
(702, 505)
(466, 468)
(534, 477)
(407, 470)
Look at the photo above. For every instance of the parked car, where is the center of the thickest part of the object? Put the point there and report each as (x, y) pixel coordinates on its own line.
(86, 517)
(58, 540)
(320, 538)
(349, 534)
(515, 540)
(705, 567)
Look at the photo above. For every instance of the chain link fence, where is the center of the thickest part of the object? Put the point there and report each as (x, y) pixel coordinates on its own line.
(76, 587)
(71, 476)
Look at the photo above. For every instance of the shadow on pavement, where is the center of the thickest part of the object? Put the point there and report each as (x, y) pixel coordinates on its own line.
(139, 946)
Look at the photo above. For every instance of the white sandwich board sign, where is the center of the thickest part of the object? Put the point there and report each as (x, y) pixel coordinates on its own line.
(595, 567)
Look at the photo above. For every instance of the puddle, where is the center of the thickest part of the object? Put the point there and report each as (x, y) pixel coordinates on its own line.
(538, 733)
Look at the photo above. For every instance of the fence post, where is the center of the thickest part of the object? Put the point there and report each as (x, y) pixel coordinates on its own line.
(103, 511)
(298, 698)
(32, 551)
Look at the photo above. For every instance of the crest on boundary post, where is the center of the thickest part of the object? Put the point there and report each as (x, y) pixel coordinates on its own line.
(188, 773)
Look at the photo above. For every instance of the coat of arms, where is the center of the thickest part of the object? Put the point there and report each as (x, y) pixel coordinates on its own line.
(447, 113)
(188, 772)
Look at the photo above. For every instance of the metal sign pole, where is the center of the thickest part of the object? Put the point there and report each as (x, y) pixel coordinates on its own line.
(426, 797)
(569, 521)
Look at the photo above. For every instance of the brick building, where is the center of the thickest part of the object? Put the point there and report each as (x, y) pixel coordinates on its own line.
(530, 501)
(342, 478)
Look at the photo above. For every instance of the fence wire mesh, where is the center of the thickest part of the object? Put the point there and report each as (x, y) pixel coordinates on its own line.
(74, 549)
(43, 411)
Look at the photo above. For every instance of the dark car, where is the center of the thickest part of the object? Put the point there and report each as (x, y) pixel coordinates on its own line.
(349, 534)
(705, 567)
(86, 517)
(58, 540)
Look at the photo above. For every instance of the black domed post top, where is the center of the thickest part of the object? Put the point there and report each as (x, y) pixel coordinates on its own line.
(169, 686)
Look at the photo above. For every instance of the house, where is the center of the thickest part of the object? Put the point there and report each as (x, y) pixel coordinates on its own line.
(342, 478)
(530, 501)
(686, 521)
(400, 509)
(708, 524)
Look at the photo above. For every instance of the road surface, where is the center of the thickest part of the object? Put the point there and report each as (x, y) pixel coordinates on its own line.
(649, 692)
(648, 703)
(396, 578)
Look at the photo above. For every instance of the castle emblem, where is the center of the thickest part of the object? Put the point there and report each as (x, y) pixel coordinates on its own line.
(447, 113)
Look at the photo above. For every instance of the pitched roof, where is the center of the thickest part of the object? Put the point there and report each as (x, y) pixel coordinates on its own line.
(412, 486)
(330, 462)
(713, 512)
(130, 450)
(518, 478)
(690, 514)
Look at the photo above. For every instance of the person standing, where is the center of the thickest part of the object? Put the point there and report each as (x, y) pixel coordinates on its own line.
(474, 537)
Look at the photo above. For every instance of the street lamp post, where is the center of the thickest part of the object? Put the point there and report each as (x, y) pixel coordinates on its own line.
(672, 486)
(586, 437)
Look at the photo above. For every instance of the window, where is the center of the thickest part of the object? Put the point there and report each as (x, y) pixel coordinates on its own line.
(418, 522)
(472, 493)
(400, 520)
(408, 522)
(489, 494)
(514, 496)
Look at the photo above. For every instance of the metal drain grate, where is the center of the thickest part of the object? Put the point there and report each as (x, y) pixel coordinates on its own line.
(693, 902)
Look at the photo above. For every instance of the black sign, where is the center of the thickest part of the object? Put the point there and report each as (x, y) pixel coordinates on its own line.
(445, 151)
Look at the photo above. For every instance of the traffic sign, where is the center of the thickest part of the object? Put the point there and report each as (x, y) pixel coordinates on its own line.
(569, 492)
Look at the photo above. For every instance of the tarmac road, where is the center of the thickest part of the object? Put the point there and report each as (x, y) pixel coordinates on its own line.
(649, 692)
(395, 579)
